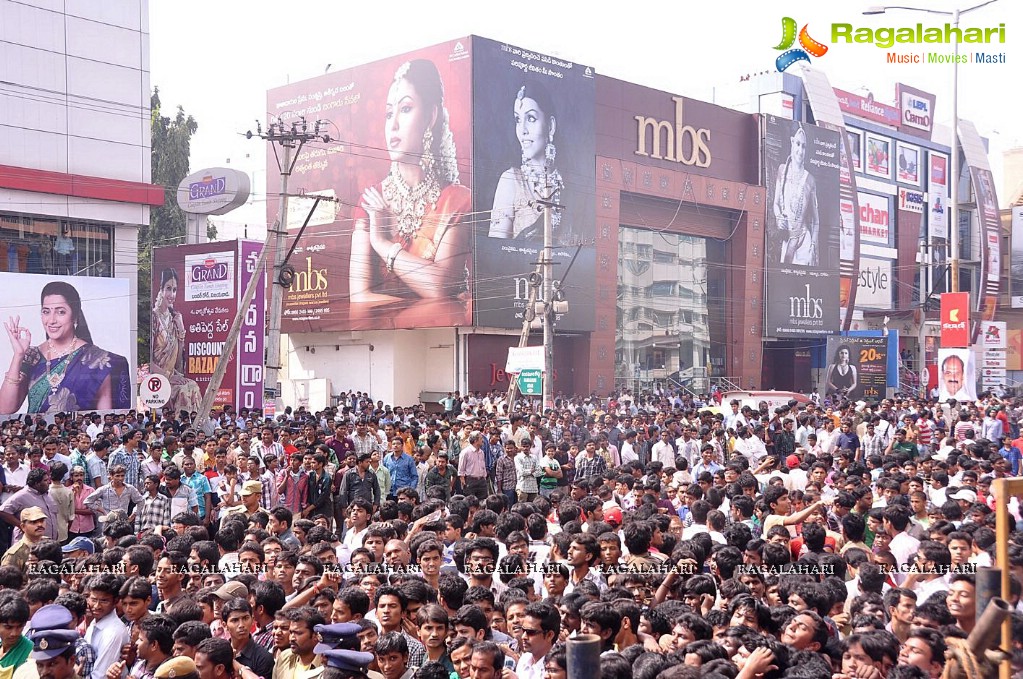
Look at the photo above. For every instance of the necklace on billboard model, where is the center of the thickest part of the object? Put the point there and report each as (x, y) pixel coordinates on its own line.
(54, 373)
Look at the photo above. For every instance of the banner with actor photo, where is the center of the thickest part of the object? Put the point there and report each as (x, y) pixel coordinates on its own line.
(857, 369)
(195, 294)
(802, 168)
(957, 375)
(391, 245)
(533, 130)
(68, 344)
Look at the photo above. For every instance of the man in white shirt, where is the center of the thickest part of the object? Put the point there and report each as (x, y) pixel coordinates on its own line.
(106, 633)
(15, 471)
(628, 451)
(663, 451)
(541, 626)
(903, 546)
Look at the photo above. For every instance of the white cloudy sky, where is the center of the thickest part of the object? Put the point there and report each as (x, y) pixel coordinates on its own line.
(217, 59)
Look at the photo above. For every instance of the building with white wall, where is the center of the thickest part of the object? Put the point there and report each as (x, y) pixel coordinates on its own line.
(75, 138)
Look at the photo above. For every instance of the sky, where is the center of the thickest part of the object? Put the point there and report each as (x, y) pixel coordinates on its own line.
(218, 59)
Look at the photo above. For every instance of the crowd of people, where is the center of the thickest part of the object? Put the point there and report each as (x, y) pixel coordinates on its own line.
(808, 541)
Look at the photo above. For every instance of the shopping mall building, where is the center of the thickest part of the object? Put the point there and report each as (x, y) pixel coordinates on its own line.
(694, 241)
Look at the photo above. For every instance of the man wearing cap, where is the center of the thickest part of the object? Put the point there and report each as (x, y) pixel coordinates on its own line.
(33, 529)
(81, 546)
(36, 493)
(179, 667)
(53, 651)
(252, 493)
(359, 482)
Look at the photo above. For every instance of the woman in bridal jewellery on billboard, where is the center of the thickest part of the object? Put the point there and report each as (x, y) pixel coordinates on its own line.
(515, 214)
(410, 242)
(795, 206)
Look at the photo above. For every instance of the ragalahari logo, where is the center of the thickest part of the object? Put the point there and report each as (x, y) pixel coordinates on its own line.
(808, 46)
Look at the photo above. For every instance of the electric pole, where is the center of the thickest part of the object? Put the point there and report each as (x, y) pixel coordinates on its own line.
(291, 138)
(551, 189)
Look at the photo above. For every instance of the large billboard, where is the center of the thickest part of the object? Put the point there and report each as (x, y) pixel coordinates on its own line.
(803, 229)
(857, 368)
(391, 248)
(195, 294)
(533, 131)
(68, 345)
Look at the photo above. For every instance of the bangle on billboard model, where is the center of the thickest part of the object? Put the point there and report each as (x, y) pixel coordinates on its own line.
(392, 255)
(14, 380)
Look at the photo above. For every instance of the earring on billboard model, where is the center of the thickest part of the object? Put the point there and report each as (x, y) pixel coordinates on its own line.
(550, 152)
(426, 161)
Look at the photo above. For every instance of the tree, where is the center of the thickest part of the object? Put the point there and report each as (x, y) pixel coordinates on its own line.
(171, 146)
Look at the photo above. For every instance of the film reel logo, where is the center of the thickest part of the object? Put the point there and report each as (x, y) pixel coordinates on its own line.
(808, 46)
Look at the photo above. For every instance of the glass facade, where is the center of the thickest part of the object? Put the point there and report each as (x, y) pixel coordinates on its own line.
(60, 247)
(671, 308)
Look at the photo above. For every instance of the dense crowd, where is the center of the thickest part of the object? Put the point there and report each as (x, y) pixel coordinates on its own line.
(460, 541)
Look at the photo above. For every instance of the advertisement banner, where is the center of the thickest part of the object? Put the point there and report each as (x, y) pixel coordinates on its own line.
(857, 368)
(533, 137)
(993, 335)
(874, 289)
(867, 108)
(69, 344)
(803, 229)
(253, 337)
(394, 251)
(916, 110)
(957, 375)
(955, 319)
(195, 294)
(911, 201)
(1016, 258)
(937, 219)
(875, 218)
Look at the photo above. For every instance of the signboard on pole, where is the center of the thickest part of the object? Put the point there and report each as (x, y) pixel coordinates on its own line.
(531, 382)
(955, 319)
(155, 391)
(524, 358)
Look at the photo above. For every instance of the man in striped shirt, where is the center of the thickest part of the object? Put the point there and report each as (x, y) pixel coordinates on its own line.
(266, 445)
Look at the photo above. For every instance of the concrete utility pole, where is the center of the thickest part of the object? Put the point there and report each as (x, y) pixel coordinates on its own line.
(551, 189)
(291, 139)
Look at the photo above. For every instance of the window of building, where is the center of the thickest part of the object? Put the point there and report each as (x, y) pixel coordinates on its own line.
(54, 246)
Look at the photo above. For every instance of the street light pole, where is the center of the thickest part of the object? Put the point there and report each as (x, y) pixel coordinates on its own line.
(953, 210)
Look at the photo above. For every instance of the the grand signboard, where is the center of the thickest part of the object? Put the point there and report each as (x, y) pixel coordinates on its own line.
(393, 247)
(533, 140)
(196, 291)
(803, 227)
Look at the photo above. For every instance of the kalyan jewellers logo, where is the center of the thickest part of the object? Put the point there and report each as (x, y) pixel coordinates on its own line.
(808, 46)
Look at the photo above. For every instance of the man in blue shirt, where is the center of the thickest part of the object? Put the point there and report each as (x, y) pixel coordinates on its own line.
(1012, 455)
(401, 467)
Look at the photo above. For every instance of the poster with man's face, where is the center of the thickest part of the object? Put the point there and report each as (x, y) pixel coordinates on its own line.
(957, 375)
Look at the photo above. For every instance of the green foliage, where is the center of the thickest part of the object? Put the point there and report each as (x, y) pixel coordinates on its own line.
(171, 146)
